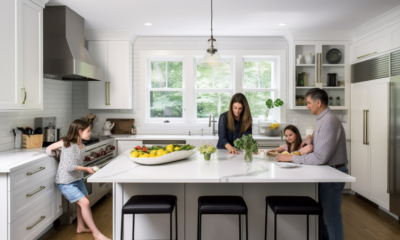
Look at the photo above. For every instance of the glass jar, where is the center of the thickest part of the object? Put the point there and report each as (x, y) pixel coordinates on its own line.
(330, 101)
(338, 101)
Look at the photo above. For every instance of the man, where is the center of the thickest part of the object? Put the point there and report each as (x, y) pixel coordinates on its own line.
(329, 142)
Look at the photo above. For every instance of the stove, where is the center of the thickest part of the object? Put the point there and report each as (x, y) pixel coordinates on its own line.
(90, 141)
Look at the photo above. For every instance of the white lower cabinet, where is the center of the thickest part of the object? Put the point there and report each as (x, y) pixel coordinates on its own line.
(122, 146)
(30, 199)
(369, 146)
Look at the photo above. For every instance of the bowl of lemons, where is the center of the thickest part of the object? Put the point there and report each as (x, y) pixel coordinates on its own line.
(155, 155)
(270, 128)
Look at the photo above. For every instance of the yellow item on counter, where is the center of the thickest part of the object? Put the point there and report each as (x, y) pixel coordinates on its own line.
(170, 148)
(134, 154)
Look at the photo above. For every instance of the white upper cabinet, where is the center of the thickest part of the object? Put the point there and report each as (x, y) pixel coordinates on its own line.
(115, 90)
(21, 60)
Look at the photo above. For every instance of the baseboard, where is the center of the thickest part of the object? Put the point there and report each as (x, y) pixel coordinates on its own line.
(391, 214)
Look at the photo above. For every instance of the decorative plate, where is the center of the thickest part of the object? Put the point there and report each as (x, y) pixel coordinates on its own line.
(170, 157)
(333, 56)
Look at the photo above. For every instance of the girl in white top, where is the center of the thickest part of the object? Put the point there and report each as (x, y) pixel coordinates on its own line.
(69, 177)
(293, 142)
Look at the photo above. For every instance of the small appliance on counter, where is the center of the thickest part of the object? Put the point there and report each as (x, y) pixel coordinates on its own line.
(107, 127)
(51, 133)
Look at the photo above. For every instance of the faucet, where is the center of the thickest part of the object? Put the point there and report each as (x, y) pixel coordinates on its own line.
(213, 121)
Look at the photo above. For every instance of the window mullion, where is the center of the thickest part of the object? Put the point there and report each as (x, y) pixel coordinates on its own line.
(259, 75)
(166, 74)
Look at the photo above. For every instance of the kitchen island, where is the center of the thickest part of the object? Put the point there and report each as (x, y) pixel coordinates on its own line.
(223, 175)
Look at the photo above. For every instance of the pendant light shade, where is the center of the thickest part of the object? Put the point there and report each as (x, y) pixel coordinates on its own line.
(212, 57)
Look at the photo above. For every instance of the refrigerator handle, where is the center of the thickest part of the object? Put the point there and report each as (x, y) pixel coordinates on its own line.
(364, 127)
(389, 160)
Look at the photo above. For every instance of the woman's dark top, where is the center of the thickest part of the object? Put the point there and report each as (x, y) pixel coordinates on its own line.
(225, 135)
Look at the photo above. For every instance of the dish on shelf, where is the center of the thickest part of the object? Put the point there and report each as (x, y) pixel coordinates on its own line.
(170, 157)
(334, 56)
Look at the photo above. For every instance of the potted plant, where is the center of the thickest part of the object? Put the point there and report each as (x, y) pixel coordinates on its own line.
(207, 150)
(248, 144)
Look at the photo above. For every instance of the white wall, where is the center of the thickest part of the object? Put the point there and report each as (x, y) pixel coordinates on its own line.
(57, 102)
(304, 118)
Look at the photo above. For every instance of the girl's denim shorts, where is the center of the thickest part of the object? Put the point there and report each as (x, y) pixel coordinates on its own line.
(73, 191)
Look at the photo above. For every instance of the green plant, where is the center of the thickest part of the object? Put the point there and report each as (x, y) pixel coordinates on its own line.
(207, 148)
(248, 144)
(271, 104)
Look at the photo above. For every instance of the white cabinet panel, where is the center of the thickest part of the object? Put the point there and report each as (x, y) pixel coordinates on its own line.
(359, 150)
(115, 58)
(378, 119)
(122, 146)
(371, 45)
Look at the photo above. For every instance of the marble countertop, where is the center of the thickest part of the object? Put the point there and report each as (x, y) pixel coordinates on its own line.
(15, 158)
(183, 137)
(221, 168)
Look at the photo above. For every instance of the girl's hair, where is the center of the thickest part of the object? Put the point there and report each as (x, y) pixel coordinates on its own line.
(297, 142)
(73, 132)
(245, 117)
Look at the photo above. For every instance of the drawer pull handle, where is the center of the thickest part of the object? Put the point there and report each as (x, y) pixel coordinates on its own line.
(33, 193)
(23, 102)
(366, 55)
(36, 223)
(37, 170)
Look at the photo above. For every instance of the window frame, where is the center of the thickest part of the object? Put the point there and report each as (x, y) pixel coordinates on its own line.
(275, 81)
(230, 90)
(149, 89)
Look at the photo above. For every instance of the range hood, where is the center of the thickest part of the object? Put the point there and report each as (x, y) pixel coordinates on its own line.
(64, 54)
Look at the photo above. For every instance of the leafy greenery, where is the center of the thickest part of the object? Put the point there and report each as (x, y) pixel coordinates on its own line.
(248, 144)
(271, 104)
(207, 148)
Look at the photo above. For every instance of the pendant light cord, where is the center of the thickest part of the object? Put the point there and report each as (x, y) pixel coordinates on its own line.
(211, 18)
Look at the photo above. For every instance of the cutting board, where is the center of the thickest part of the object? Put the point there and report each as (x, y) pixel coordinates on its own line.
(122, 125)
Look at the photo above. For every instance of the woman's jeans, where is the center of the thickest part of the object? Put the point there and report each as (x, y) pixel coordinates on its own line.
(330, 198)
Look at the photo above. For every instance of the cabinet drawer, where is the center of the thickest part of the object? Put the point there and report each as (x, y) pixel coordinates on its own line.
(34, 222)
(31, 172)
(370, 46)
(27, 197)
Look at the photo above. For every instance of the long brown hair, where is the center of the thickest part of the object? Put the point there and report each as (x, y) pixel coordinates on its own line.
(245, 117)
(297, 142)
(73, 132)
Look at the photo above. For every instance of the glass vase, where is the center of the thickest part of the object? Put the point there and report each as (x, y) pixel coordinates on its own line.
(248, 156)
(207, 156)
(267, 113)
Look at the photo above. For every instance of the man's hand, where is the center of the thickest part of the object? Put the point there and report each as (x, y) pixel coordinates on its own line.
(307, 149)
(89, 170)
(307, 141)
(283, 158)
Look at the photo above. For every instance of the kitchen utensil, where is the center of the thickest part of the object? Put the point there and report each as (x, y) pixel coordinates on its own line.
(18, 139)
(23, 131)
(122, 126)
(38, 131)
(333, 56)
(57, 134)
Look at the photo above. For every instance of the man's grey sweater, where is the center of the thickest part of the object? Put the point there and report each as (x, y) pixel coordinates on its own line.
(329, 142)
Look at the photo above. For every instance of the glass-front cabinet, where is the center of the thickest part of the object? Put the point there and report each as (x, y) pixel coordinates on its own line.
(323, 65)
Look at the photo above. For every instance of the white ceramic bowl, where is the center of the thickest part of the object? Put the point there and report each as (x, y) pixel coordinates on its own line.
(170, 157)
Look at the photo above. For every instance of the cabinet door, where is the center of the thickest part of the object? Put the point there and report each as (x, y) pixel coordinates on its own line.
(359, 150)
(119, 74)
(373, 44)
(378, 133)
(97, 89)
(30, 55)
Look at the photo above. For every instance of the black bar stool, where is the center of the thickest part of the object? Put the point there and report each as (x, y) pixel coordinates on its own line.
(222, 205)
(150, 204)
(292, 205)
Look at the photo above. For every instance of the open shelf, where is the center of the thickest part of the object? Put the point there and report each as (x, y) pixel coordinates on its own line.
(333, 65)
(306, 65)
(338, 88)
(307, 87)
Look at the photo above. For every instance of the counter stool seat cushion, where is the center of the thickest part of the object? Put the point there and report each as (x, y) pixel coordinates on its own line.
(148, 204)
(294, 205)
(222, 205)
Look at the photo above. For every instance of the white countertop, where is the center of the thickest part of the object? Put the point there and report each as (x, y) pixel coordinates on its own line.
(15, 158)
(221, 168)
(183, 137)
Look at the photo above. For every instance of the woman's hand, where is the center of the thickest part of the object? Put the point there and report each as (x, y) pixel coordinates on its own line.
(283, 158)
(90, 170)
(232, 150)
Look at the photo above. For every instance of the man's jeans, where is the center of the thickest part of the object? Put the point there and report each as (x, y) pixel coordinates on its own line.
(330, 198)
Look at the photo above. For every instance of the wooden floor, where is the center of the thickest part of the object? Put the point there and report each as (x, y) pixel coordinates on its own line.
(361, 220)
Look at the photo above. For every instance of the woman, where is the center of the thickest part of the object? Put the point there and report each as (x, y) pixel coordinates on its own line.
(234, 123)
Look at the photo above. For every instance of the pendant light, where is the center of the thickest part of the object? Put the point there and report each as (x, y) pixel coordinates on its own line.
(212, 57)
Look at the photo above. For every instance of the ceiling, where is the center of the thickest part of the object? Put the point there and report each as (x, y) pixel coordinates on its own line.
(231, 17)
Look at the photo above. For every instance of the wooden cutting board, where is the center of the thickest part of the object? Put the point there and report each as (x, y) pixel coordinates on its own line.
(122, 125)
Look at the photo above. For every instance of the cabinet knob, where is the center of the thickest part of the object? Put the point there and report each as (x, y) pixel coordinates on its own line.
(60, 206)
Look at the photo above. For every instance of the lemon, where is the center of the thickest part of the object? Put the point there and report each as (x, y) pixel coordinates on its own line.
(170, 148)
(176, 148)
(276, 125)
(144, 156)
(154, 152)
(271, 127)
(160, 151)
(134, 154)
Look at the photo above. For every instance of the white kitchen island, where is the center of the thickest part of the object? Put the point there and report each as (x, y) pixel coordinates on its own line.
(223, 175)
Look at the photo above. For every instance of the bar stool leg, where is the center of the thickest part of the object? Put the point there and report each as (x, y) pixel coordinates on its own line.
(176, 222)
(247, 229)
(240, 228)
(122, 225)
(276, 223)
(170, 226)
(199, 228)
(133, 227)
(319, 229)
(307, 229)
(266, 221)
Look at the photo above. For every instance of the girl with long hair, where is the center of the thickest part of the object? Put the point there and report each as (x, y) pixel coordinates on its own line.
(293, 141)
(234, 123)
(69, 177)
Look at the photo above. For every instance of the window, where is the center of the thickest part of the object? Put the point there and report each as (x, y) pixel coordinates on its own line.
(165, 90)
(260, 84)
(213, 90)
